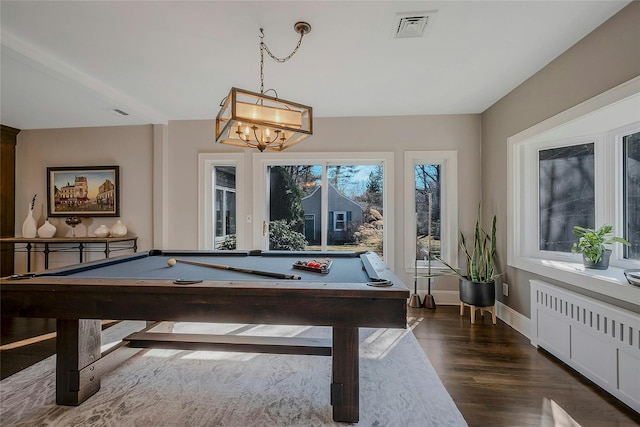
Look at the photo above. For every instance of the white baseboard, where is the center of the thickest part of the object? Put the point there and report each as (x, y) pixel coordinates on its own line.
(443, 297)
(516, 320)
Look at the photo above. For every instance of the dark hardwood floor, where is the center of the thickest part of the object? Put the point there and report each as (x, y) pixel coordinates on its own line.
(493, 373)
(497, 378)
(24, 342)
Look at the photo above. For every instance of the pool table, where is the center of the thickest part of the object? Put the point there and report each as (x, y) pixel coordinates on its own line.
(359, 290)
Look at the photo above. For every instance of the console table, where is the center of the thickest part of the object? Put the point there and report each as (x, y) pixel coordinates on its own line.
(65, 244)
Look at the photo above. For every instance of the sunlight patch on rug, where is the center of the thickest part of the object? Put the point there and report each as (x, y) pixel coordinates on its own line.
(381, 343)
(398, 387)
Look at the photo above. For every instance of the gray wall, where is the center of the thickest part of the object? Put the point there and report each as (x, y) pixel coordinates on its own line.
(130, 147)
(160, 190)
(605, 58)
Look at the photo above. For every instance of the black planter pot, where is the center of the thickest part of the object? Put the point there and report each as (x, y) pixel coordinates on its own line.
(603, 264)
(478, 294)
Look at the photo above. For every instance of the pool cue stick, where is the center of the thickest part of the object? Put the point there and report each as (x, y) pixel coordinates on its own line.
(240, 269)
(414, 300)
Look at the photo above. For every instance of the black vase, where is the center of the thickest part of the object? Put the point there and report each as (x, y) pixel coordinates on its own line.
(603, 264)
(478, 294)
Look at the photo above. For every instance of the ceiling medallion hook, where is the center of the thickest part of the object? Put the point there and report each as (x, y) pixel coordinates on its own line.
(302, 28)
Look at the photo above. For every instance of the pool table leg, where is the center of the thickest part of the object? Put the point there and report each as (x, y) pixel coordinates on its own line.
(345, 383)
(77, 350)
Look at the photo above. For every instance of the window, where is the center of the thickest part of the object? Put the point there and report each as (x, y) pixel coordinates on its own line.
(577, 180)
(577, 168)
(631, 198)
(290, 186)
(224, 183)
(566, 191)
(220, 180)
(431, 229)
(297, 192)
(335, 202)
(339, 221)
(427, 207)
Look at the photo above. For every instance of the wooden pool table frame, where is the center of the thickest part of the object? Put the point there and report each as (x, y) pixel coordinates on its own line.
(78, 304)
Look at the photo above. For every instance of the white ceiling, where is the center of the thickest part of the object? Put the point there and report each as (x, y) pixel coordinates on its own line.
(70, 63)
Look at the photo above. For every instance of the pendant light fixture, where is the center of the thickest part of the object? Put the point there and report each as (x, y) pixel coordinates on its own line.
(256, 120)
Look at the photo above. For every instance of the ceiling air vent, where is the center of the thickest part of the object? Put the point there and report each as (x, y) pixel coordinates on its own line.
(412, 24)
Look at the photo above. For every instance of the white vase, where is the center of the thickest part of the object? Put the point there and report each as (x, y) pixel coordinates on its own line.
(118, 229)
(102, 231)
(29, 226)
(47, 230)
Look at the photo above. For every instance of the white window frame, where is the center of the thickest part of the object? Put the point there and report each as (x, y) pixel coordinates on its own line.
(335, 220)
(618, 139)
(261, 161)
(449, 228)
(206, 196)
(603, 118)
(225, 194)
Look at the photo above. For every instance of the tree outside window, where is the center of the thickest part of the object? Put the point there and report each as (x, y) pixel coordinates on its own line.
(428, 201)
(631, 161)
(566, 194)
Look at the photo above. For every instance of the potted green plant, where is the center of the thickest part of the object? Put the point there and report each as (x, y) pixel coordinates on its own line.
(477, 284)
(592, 245)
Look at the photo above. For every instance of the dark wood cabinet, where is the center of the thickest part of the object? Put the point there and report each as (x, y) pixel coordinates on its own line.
(7, 196)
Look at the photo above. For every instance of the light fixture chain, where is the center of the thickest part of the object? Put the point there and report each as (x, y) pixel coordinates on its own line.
(264, 47)
(261, 67)
(286, 58)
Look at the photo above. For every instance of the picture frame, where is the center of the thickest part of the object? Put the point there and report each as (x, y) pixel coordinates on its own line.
(83, 191)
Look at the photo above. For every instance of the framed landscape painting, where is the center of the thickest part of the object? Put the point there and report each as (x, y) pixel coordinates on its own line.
(87, 191)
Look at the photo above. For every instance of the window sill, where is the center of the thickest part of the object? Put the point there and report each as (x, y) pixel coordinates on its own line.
(611, 282)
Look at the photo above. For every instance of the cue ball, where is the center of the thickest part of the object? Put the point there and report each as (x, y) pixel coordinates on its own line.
(171, 262)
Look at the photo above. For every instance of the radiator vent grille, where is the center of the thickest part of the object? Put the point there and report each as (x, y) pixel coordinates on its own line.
(599, 340)
(599, 320)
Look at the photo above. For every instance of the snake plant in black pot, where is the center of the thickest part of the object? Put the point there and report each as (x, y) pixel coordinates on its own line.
(477, 285)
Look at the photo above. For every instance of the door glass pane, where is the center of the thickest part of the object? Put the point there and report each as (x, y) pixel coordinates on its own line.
(355, 209)
(428, 198)
(352, 208)
(219, 217)
(294, 197)
(224, 183)
(631, 144)
(230, 213)
(566, 194)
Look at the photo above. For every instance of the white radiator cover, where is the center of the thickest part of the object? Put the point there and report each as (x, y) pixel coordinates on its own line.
(599, 340)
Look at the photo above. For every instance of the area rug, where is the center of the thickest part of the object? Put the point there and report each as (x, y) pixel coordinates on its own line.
(151, 387)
